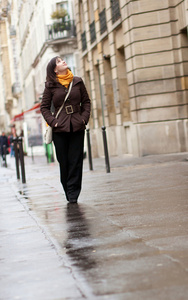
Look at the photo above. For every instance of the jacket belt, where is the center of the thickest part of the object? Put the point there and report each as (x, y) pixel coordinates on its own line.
(70, 109)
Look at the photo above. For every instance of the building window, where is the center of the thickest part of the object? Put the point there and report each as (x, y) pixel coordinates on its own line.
(91, 21)
(81, 16)
(91, 11)
(64, 5)
(115, 10)
(102, 18)
(84, 44)
(92, 32)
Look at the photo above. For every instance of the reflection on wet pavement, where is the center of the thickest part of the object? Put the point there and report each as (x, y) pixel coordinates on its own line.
(78, 243)
(121, 240)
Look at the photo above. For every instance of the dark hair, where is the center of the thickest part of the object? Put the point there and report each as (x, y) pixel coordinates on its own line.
(50, 74)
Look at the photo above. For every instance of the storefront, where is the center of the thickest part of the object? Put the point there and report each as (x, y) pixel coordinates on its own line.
(29, 124)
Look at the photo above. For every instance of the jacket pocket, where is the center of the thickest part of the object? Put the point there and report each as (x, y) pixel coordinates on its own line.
(63, 121)
(77, 122)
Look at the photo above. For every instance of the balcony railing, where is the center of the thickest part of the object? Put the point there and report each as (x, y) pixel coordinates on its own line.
(59, 30)
(115, 10)
(102, 18)
(84, 43)
(92, 32)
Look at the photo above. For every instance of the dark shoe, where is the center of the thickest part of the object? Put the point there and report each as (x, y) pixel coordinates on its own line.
(72, 200)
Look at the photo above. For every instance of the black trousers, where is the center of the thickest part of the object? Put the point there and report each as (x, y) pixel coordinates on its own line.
(69, 151)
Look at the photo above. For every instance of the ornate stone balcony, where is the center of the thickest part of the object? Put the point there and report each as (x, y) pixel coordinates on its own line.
(59, 30)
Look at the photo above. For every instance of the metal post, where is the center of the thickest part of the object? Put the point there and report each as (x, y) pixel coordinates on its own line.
(32, 153)
(103, 127)
(101, 95)
(46, 152)
(52, 153)
(49, 153)
(15, 141)
(5, 155)
(21, 154)
(89, 150)
(106, 149)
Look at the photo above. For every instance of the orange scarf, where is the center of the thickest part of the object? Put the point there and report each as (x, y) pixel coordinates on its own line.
(65, 79)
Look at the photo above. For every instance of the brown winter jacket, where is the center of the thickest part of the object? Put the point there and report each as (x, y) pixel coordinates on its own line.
(76, 109)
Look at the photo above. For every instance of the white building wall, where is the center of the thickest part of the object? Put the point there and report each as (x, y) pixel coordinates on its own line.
(32, 26)
(2, 100)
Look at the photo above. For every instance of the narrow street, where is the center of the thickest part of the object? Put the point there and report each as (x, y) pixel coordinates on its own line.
(127, 238)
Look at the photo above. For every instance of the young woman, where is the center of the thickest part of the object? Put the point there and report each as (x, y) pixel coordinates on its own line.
(69, 126)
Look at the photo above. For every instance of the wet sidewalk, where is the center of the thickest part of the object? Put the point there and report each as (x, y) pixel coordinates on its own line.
(127, 238)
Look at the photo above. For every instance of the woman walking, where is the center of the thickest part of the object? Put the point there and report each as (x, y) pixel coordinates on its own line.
(69, 126)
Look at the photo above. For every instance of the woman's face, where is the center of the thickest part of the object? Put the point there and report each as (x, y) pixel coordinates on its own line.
(61, 66)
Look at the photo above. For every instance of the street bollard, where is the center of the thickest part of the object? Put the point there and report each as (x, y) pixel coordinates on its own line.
(105, 149)
(89, 150)
(49, 153)
(21, 155)
(32, 153)
(52, 153)
(46, 152)
(5, 155)
(15, 141)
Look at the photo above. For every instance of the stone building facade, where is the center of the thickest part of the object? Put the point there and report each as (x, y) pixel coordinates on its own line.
(135, 64)
(6, 96)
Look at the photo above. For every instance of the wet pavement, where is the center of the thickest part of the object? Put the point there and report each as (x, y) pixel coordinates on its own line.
(127, 238)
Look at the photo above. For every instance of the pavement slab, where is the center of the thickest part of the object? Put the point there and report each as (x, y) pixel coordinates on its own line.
(127, 238)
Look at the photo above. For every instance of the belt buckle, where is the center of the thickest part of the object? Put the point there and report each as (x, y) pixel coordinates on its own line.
(69, 109)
